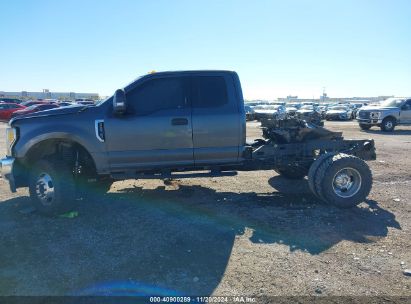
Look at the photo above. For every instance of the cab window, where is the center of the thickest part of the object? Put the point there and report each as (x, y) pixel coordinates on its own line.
(208, 91)
(407, 105)
(156, 95)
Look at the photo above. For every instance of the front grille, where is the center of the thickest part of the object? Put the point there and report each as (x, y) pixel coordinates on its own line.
(363, 114)
(333, 115)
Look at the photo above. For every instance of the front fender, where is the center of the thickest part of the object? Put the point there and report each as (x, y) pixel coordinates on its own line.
(82, 133)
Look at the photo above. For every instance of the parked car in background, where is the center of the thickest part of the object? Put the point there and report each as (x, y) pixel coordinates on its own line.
(249, 113)
(322, 110)
(34, 108)
(278, 103)
(339, 113)
(390, 113)
(7, 109)
(10, 100)
(356, 107)
(50, 100)
(85, 101)
(270, 111)
(309, 113)
(291, 109)
(65, 104)
(30, 103)
(308, 103)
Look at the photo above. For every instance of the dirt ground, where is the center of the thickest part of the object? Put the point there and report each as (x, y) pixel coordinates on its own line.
(251, 234)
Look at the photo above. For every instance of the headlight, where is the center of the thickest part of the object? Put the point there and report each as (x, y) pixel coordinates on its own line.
(375, 114)
(11, 137)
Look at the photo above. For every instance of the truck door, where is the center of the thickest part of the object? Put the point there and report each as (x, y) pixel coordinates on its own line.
(156, 131)
(216, 119)
(405, 116)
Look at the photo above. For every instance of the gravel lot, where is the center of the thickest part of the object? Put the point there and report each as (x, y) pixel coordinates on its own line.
(251, 234)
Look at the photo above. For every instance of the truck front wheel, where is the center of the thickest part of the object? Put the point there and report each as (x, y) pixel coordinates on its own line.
(388, 124)
(52, 187)
(343, 180)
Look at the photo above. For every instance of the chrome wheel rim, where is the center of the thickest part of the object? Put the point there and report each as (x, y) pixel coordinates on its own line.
(388, 124)
(347, 182)
(45, 189)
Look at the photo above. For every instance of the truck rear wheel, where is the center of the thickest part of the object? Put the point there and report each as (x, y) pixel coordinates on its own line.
(343, 180)
(52, 187)
(388, 124)
(292, 172)
(313, 171)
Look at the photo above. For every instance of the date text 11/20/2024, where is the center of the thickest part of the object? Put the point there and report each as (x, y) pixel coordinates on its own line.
(232, 299)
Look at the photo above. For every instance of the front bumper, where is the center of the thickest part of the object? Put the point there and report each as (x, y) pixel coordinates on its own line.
(6, 168)
(336, 117)
(369, 121)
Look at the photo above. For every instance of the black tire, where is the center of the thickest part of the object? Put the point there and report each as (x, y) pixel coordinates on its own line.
(52, 187)
(312, 172)
(365, 127)
(388, 124)
(292, 172)
(358, 173)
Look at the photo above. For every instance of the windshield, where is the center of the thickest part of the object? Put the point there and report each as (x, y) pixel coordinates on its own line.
(392, 102)
(101, 101)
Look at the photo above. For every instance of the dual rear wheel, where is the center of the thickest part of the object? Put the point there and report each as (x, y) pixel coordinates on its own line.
(340, 179)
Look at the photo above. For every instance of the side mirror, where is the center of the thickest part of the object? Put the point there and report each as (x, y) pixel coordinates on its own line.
(119, 102)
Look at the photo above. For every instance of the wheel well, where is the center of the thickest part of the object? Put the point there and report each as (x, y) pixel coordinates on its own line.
(67, 150)
(392, 117)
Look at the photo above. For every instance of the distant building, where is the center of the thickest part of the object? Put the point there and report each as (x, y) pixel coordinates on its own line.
(291, 98)
(46, 94)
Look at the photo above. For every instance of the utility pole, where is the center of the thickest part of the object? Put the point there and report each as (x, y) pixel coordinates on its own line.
(324, 95)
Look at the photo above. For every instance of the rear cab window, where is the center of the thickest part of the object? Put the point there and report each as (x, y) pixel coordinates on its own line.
(208, 91)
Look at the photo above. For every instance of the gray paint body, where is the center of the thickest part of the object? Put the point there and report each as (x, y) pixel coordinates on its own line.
(214, 135)
(401, 116)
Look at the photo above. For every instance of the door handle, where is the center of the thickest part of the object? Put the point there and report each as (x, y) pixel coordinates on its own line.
(179, 121)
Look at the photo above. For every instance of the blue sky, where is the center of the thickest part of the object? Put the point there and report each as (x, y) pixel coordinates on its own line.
(351, 47)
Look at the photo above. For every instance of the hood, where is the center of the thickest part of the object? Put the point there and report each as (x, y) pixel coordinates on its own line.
(51, 112)
(336, 112)
(378, 108)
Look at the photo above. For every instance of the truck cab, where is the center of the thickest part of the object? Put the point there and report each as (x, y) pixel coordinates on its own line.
(183, 119)
(390, 113)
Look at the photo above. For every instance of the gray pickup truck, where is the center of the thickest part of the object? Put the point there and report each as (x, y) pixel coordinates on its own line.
(391, 112)
(174, 124)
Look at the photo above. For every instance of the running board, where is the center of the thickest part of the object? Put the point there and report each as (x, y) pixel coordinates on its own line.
(164, 175)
